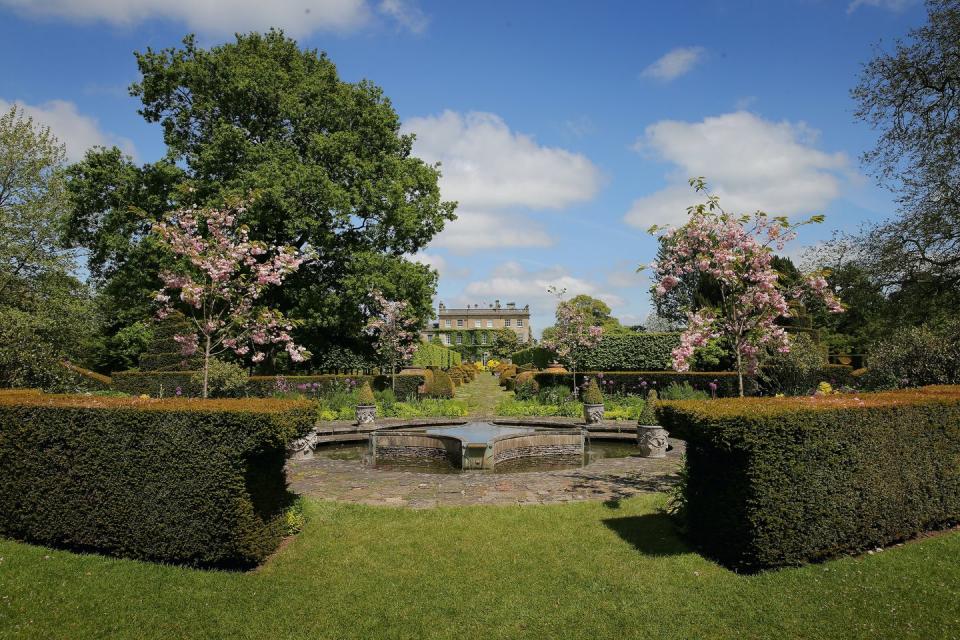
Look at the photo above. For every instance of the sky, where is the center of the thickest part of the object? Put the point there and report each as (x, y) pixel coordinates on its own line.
(565, 129)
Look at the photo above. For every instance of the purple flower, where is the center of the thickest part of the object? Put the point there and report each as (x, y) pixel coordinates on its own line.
(302, 387)
(643, 384)
(316, 385)
(178, 392)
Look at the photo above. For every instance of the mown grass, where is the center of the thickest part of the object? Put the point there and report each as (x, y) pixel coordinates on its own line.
(584, 570)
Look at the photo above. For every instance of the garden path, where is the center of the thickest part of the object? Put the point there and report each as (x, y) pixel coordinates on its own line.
(482, 395)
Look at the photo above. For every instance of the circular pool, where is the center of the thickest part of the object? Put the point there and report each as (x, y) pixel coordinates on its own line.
(477, 445)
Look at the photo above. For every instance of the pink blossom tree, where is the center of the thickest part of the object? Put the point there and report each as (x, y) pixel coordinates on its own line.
(572, 333)
(219, 277)
(736, 252)
(394, 331)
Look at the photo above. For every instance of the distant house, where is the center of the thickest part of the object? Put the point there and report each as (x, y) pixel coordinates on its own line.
(474, 326)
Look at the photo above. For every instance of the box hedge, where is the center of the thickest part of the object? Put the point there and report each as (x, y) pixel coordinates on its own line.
(156, 383)
(435, 355)
(639, 382)
(783, 481)
(628, 352)
(540, 357)
(182, 481)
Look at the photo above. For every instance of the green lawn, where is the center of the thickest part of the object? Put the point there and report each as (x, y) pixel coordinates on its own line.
(572, 571)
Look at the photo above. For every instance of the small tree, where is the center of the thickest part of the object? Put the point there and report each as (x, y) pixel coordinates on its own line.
(394, 330)
(220, 276)
(571, 333)
(736, 253)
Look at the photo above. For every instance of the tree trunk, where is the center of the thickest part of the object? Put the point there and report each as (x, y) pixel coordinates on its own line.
(393, 376)
(206, 367)
(739, 369)
(573, 368)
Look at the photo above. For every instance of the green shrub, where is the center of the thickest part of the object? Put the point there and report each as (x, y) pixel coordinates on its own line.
(636, 352)
(682, 391)
(797, 372)
(783, 481)
(163, 353)
(639, 382)
(406, 385)
(435, 355)
(514, 408)
(157, 383)
(592, 394)
(525, 387)
(365, 397)
(539, 357)
(198, 482)
(266, 386)
(916, 356)
(224, 379)
(442, 386)
(648, 416)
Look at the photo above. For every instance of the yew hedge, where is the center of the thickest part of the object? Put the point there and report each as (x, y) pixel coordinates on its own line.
(639, 382)
(784, 481)
(182, 481)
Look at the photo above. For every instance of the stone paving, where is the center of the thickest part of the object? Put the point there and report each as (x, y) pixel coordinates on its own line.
(607, 479)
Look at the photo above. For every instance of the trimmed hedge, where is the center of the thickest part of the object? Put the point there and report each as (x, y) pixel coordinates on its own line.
(156, 383)
(442, 386)
(783, 481)
(539, 357)
(181, 481)
(639, 352)
(632, 382)
(407, 385)
(435, 355)
(92, 379)
(266, 386)
(172, 361)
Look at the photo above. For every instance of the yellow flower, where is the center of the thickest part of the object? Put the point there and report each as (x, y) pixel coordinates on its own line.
(825, 388)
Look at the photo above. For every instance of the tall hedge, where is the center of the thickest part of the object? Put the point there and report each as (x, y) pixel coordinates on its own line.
(435, 355)
(639, 382)
(784, 481)
(638, 352)
(539, 357)
(180, 481)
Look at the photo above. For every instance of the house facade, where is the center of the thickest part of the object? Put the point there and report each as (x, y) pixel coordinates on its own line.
(474, 325)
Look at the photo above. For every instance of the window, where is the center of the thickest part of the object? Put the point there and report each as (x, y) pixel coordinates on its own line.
(446, 323)
(429, 337)
(519, 322)
(477, 324)
(506, 322)
(483, 338)
(459, 322)
(489, 324)
(446, 339)
(459, 338)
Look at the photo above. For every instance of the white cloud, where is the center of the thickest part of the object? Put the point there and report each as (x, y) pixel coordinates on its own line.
(480, 230)
(674, 63)
(891, 5)
(495, 173)
(224, 17)
(750, 163)
(75, 130)
(440, 263)
(406, 15)
(486, 165)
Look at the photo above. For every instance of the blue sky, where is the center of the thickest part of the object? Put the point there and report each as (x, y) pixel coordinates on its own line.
(565, 129)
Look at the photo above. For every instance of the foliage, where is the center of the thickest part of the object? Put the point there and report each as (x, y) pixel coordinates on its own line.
(738, 258)
(224, 379)
(796, 372)
(682, 391)
(540, 357)
(157, 384)
(774, 482)
(365, 396)
(184, 482)
(433, 355)
(592, 394)
(632, 352)
(505, 343)
(326, 158)
(515, 408)
(639, 382)
(442, 386)
(916, 356)
(525, 386)
(572, 334)
(221, 276)
(32, 201)
(648, 416)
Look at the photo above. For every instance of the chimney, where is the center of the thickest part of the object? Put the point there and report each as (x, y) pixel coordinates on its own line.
(497, 304)
(511, 305)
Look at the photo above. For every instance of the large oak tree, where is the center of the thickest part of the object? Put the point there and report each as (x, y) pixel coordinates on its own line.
(323, 159)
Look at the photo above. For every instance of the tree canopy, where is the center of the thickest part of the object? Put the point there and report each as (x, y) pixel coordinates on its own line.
(322, 160)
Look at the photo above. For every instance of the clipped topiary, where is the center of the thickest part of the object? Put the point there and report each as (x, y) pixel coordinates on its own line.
(442, 385)
(365, 396)
(593, 394)
(648, 415)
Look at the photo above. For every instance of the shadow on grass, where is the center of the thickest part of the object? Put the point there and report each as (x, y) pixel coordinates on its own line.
(652, 534)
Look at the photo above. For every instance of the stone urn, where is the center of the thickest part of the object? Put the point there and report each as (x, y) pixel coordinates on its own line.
(592, 413)
(652, 440)
(366, 414)
(302, 448)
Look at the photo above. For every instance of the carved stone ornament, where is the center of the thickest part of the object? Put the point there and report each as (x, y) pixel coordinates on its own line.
(592, 413)
(652, 441)
(366, 414)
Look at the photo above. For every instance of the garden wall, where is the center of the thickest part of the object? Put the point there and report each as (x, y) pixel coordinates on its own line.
(187, 482)
(784, 481)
